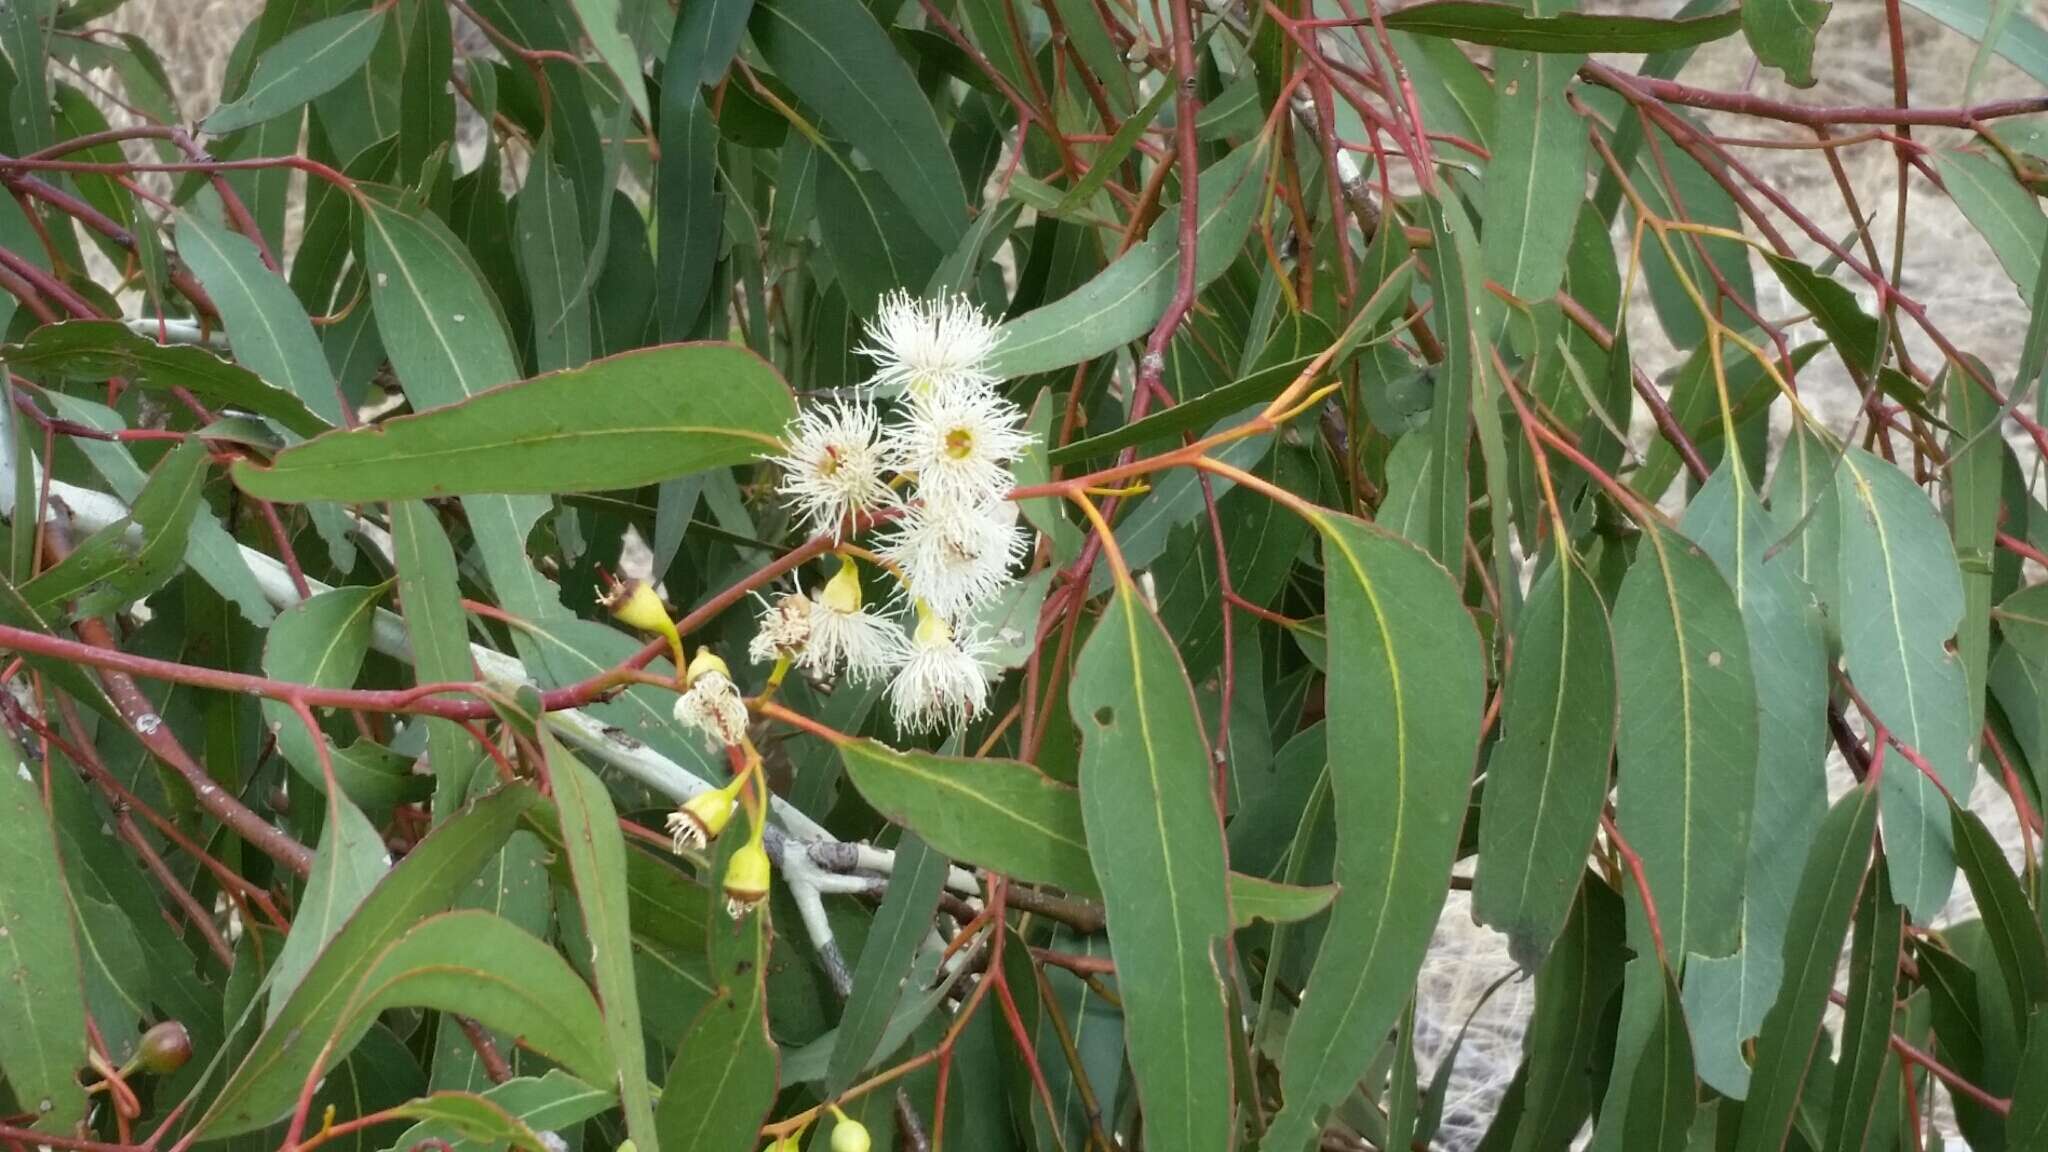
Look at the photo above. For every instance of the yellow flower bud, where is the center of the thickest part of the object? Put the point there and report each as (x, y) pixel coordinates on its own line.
(635, 604)
(746, 879)
(703, 816)
(842, 592)
(790, 1143)
(932, 629)
(706, 662)
(850, 1135)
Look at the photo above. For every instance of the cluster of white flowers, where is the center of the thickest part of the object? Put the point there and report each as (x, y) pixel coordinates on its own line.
(936, 472)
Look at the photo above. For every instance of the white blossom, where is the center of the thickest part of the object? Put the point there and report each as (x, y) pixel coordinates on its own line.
(844, 632)
(784, 629)
(713, 704)
(833, 465)
(959, 447)
(945, 681)
(955, 555)
(929, 348)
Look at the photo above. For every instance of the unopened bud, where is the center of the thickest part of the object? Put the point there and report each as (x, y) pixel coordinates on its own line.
(164, 1049)
(850, 1135)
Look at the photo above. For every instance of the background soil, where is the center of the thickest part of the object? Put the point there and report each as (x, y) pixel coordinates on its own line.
(1947, 267)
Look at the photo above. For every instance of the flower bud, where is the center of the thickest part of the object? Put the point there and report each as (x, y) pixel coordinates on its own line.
(635, 604)
(850, 1135)
(790, 1143)
(164, 1048)
(746, 879)
(842, 592)
(703, 816)
(705, 663)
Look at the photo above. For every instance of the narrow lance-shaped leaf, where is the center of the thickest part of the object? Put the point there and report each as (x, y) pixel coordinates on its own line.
(1405, 662)
(42, 1015)
(268, 1079)
(1511, 26)
(899, 927)
(1726, 997)
(1865, 1063)
(2009, 921)
(1578, 979)
(1822, 908)
(134, 556)
(723, 1079)
(1688, 739)
(268, 331)
(1547, 779)
(305, 64)
(1902, 599)
(94, 350)
(838, 59)
(1450, 261)
(1149, 803)
(597, 862)
(1663, 1097)
(431, 596)
(1975, 480)
(635, 418)
(1538, 166)
(350, 860)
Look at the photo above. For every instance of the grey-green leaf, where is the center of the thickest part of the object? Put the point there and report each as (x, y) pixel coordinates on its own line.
(311, 61)
(42, 1015)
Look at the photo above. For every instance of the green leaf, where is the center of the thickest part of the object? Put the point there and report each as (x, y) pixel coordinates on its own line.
(840, 62)
(1976, 477)
(899, 927)
(1855, 334)
(871, 235)
(1822, 908)
(1688, 739)
(1149, 802)
(446, 339)
(2002, 211)
(687, 210)
(1662, 1096)
(311, 61)
(1538, 167)
(1726, 998)
(1253, 898)
(1782, 34)
(2027, 1125)
(601, 21)
(627, 420)
(42, 1017)
(2024, 42)
(1509, 26)
(552, 259)
(322, 642)
(1866, 1063)
(1547, 779)
(723, 1080)
(1578, 978)
(1405, 657)
(1124, 301)
(350, 861)
(431, 595)
(1002, 815)
(95, 350)
(266, 327)
(1451, 260)
(2009, 921)
(1899, 610)
(472, 1118)
(269, 1077)
(136, 555)
(597, 861)
(554, 1102)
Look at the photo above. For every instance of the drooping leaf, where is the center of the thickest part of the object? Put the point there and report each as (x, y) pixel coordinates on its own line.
(1538, 166)
(839, 61)
(42, 1017)
(1902, 599)
(1976, 477)
(1663, 1095)
(724, 1077)
(267, 1080)
(322, 642)
(899, 927)
(1510, 26)
(1123, 301)
(2003, 211)
(686, 204)
(1861, 1069)
(1822, 908)
(269, 333)
(1148, 801)
(1782, 34)
(2009, 922)
(555, 266)
(627, 420)
(597, 862)
(1451, 262)
(132, 557)
(1404, 658)
(1547, 779)
(94, 350)
(431, 597)
(601, 20)
(309, 62)
(1688, 739)
(1580, 975)
(349, 862)
(1726, 997)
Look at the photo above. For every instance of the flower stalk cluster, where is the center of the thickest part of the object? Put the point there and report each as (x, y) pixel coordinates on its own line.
(939, 466)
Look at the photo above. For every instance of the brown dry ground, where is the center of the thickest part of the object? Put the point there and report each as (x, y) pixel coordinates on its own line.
(1947, 267)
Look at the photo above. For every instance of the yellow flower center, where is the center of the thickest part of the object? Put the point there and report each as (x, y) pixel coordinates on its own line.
(960, 443)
